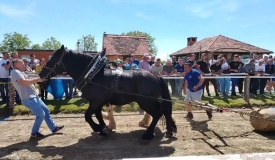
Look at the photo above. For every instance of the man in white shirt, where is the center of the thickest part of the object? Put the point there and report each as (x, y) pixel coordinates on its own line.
(260, 71)
(4, 77)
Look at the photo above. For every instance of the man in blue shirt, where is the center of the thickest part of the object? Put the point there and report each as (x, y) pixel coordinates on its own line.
(193, 88)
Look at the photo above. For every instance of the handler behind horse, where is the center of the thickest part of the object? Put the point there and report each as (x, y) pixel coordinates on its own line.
(28, 95)
(193, 84)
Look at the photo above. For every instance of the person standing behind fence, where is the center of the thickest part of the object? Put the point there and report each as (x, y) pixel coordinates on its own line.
(215, 68)
(131, 65)
(240, 80)
(33, 62)
(168, 70)
(28, 68)
(192, 61)
(38, 69)
(192, 89)
(157, 68)
(152, 61)
(203, 67)
(235, 65)
(270, 69)
(249, 68)
(4, 77)
(179, 69)
(260, 83)
(225, 82)
(13, 94)
(136, 61)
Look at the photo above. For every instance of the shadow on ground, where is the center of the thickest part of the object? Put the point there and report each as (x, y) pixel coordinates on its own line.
(116, 146)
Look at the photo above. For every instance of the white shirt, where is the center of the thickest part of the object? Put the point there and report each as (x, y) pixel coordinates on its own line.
(259, 68)
(225, 65)
(212, 61)
(3, 72)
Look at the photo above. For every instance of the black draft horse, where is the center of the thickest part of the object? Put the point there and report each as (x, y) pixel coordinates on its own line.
(149, 91)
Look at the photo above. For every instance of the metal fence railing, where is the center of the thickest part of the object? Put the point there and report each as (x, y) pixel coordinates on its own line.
(206, 76)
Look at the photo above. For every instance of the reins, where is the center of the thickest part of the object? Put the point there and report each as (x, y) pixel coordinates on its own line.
(160, 99)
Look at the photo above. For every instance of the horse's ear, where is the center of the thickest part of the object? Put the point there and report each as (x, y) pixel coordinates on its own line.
(103, 53)
(62, 48)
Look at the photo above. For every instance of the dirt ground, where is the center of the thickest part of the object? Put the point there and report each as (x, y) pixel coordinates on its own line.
(225, 133)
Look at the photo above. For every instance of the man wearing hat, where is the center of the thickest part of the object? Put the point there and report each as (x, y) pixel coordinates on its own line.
(144, 64)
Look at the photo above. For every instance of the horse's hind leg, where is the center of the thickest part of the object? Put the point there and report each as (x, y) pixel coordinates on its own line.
(88, 118)
(149, 133)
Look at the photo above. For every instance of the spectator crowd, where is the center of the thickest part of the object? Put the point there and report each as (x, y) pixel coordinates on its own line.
(33, 65)
(210, 66)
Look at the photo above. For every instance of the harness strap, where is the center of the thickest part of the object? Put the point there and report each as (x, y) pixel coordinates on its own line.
(115, 85)
(93, 71)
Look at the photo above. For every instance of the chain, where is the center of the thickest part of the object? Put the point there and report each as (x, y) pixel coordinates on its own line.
(221, 110)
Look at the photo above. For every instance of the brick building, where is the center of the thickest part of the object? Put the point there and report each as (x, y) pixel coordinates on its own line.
(124, 46)
(25, 53)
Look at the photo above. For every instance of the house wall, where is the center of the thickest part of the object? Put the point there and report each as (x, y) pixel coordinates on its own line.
(46, 54)
(112, 57)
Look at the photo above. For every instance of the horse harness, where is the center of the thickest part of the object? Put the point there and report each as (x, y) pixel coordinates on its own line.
(90, 72)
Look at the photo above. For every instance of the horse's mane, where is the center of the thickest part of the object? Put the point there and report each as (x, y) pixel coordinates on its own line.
(80, 55)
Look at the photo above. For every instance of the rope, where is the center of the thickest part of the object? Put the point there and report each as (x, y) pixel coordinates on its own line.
(162, 99)
(219, 109)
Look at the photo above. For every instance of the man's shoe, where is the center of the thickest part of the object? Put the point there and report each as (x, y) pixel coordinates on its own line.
(209, 114)
(57, 129)
(189, 115)
(37, 135)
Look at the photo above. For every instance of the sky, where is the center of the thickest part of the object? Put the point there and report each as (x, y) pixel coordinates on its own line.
(170, 22)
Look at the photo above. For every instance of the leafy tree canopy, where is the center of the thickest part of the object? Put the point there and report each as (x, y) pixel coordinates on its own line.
(89, 45)
(14, 41)
(150, 39)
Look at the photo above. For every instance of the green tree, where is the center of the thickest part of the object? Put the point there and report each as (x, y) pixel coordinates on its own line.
(36, 47)
(14, 41)
(90, 44)
(51, 44)
(150, 39)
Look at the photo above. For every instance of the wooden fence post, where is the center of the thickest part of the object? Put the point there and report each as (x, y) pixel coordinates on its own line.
(247, 88)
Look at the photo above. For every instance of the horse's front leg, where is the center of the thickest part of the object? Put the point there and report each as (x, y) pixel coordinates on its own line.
(104, 131)
(88, 117)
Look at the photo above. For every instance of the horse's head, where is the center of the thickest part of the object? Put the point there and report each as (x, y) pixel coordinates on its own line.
(55, 65)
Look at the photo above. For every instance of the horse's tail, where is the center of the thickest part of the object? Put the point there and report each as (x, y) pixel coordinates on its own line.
(167, 106)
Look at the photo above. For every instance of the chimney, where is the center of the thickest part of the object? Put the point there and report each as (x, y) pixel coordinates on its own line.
(191, 41)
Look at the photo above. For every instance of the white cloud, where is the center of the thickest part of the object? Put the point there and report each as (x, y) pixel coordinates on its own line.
(17, 12)
(213, 8)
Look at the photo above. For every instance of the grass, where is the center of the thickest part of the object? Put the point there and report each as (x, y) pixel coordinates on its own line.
(77, 105)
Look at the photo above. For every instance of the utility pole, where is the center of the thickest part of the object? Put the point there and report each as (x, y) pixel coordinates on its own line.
(84, 37)
(77, 44)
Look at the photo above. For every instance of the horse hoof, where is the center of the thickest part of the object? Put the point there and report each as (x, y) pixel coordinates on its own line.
(106, 130)
(168, 135)
(101, 138)
(144, 141)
